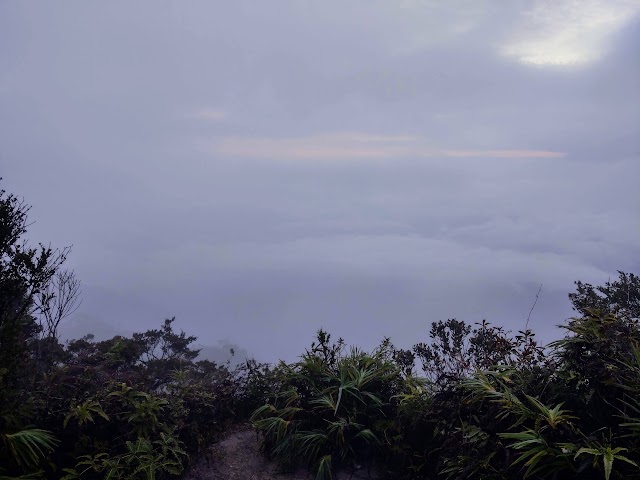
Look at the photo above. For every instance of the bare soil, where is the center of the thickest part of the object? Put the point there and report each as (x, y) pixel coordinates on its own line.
(237, 457)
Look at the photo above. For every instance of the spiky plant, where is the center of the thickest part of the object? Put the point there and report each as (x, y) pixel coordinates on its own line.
(575, 412)
(25, 449)
(327, 411)
(143, 460)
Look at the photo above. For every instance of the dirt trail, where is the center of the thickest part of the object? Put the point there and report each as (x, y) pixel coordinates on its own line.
(238, 457)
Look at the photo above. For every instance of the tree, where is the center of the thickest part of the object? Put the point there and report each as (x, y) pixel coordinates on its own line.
(25, 272)
(620, 297)
(58, 299)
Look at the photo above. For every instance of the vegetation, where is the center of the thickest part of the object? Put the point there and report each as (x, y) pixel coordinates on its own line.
(474, 401)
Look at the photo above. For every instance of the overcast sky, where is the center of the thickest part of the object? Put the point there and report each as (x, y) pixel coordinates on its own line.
(262, 169)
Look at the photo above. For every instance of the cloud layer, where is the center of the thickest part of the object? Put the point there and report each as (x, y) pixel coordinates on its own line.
(353, 146)
(368, 167)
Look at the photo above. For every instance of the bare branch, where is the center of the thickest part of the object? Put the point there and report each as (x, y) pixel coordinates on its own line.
(59, 299)
(526, 326)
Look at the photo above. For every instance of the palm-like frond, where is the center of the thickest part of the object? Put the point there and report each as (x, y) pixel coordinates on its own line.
(538, 456)
(608, 455)
(28, 447)
(630, 413)
(553, 416)
(311, 443)
(325, 468)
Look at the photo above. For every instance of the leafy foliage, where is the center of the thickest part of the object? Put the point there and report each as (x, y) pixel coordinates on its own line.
(329, 409)
(620, 297)
(26, 448)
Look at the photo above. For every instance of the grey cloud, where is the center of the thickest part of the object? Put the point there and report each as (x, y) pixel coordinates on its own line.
(112, 116)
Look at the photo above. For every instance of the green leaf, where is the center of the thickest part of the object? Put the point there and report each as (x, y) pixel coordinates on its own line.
(324, 469)
(608, 463)
(30, 446)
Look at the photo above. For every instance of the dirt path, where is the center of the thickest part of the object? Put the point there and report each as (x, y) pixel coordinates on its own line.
(238, 457)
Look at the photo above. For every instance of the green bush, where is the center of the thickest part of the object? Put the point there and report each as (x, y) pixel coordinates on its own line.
(331, 407)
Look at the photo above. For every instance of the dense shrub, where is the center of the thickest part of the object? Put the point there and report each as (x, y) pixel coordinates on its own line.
(471, 403)
(331, 407)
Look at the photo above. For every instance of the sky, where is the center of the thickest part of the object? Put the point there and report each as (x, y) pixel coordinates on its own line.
(260, 170)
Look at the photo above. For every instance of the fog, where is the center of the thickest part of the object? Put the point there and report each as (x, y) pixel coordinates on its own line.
(263, 169)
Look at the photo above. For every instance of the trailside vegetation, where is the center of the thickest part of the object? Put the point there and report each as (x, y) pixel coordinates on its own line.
(470, 401)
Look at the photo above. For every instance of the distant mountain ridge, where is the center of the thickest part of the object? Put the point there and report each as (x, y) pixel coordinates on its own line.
(83, 324)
